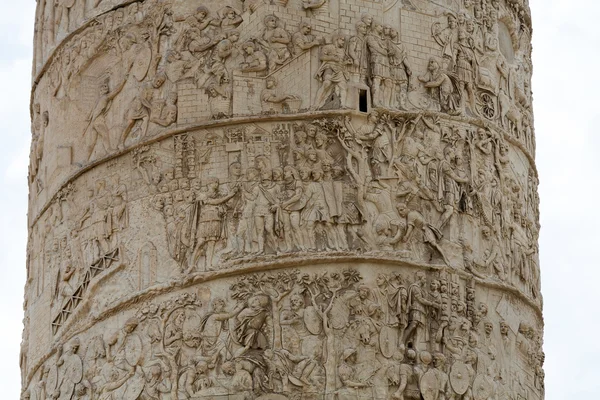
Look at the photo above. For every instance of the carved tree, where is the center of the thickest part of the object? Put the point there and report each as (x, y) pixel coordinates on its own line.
(327, 290)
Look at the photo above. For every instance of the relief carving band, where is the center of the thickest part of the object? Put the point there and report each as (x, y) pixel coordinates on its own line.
(325, 200)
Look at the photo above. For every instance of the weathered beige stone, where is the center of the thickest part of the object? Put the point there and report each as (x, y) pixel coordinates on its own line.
(316, 199)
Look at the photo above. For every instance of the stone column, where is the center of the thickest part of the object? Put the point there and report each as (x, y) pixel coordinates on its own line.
(303, 199)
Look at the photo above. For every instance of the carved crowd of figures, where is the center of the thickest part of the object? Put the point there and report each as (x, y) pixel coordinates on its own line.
(154, 50)
(414, 187)
(77, 245)
(40, 121)
(293, 335)
(402, 176)
(483, 71)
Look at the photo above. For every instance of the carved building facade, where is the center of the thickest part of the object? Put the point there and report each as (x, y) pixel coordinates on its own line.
(285, 199)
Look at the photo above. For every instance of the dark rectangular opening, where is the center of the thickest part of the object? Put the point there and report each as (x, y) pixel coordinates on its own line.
(363, 105)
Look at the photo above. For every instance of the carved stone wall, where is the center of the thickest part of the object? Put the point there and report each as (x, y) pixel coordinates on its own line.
(303, 199)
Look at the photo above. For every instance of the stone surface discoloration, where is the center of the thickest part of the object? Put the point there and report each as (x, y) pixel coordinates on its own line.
(288, 199)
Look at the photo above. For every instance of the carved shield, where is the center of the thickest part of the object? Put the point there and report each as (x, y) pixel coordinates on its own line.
(134, 387)
(459, 377)
(339, 314)
(388, 341)
(74, 369)
(313, 320)
(133, 349)
(141, 63)
(483, 387)
(66, 391)
(429, 385)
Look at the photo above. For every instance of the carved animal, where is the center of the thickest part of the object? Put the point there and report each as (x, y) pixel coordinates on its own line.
(510, 114)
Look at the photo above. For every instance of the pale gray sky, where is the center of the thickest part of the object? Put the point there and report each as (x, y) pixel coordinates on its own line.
(566, 63)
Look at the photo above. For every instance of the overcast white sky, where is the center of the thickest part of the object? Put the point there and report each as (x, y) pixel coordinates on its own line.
(566, 88)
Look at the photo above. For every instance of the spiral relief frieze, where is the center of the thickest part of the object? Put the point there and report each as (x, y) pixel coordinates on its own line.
(283, 200)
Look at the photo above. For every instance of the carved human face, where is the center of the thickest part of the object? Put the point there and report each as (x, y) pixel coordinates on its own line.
(249, 50)
(340, 42)
(372, 118)
(368, 20)
(434, 286)
(300, 138)
(266, 174)
(381, 280)
(470, 357)
(306, 30)
(235, 169)
(470, 26)
(297, 303)
(219, 305)
(271, 23)
(362, 29)
(319, 141)
(104, 89)
(305, 174)
(158, 81)
(451, 22)
(118, 19)
(489, 328)
(363, 293)
(277, 174)
(473, 341)
(377, 28)
(257, 303)
(433, 65)
(438, 361)
(270, 84)
(503, 328)
(108, 22)
(201, 15)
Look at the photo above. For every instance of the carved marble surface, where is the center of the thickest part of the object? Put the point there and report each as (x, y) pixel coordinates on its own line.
(283, 200)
